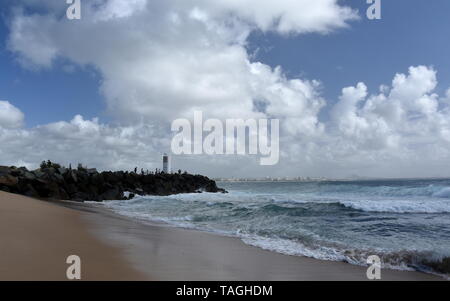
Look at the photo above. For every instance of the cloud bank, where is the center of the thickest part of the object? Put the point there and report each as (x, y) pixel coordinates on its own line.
(10, 116)
(162, 60)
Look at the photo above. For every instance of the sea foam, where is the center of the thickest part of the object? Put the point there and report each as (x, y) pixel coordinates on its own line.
(406, 223)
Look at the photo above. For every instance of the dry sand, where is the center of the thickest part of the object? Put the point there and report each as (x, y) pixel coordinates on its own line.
(36, 237)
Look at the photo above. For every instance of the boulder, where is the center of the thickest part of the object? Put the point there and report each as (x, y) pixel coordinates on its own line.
(112, 194)
(9, 180)
(80, 197)
(73, 176)
(29, 176)
(4, 170)
(31, 192)
(56, 182)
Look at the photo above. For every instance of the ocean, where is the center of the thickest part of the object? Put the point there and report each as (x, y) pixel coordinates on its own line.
(405, 222)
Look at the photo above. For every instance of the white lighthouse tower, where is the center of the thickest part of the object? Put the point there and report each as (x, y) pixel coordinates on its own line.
(166, 165)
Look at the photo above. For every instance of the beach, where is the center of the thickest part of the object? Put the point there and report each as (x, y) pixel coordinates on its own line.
(37, 236)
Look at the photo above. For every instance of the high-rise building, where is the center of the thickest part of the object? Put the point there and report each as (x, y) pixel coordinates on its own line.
(166, 167)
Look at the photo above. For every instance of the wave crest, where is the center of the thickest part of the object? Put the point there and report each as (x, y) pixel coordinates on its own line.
(399, 206)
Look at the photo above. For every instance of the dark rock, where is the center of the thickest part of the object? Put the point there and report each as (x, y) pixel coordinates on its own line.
(63, 194)
(92, 171)
(8, 180)
(15, 172)
(55, 182)
(58, 178)
(80, 197)
(112, 194)
(52, 191)
(29, 176)
(71, 189)
(442, 266)
(39, 173)
(4, 170)
(73, 176)
(31, 192)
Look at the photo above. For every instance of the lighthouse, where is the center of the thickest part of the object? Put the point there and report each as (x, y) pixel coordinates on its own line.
(166, 167)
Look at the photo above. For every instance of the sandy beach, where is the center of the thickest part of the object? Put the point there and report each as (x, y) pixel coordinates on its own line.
(37, 236)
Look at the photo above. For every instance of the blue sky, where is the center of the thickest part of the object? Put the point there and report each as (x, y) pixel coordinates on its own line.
(47, 95)
(411, 32)
(138, 65)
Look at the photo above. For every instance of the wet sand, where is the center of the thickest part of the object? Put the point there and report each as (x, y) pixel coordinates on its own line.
(36, 238)
(167, 253)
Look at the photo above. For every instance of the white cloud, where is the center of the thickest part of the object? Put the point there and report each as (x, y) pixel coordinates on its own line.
(10, 116)
(86, 141)
(161, 60)
(369, 134)
(189, 54)
(39, 46)
(116, 9)
(291, 16)
(401, 126)
(296, 102)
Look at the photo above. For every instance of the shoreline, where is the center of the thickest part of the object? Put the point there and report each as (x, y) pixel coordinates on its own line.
(165, 252)
(115, 247)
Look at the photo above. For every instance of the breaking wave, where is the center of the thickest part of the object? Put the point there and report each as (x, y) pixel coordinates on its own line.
(406, 223)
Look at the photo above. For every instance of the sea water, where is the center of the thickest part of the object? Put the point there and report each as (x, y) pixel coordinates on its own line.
(405, 222)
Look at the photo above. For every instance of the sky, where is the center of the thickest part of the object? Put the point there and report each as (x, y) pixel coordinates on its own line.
(353, 96)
